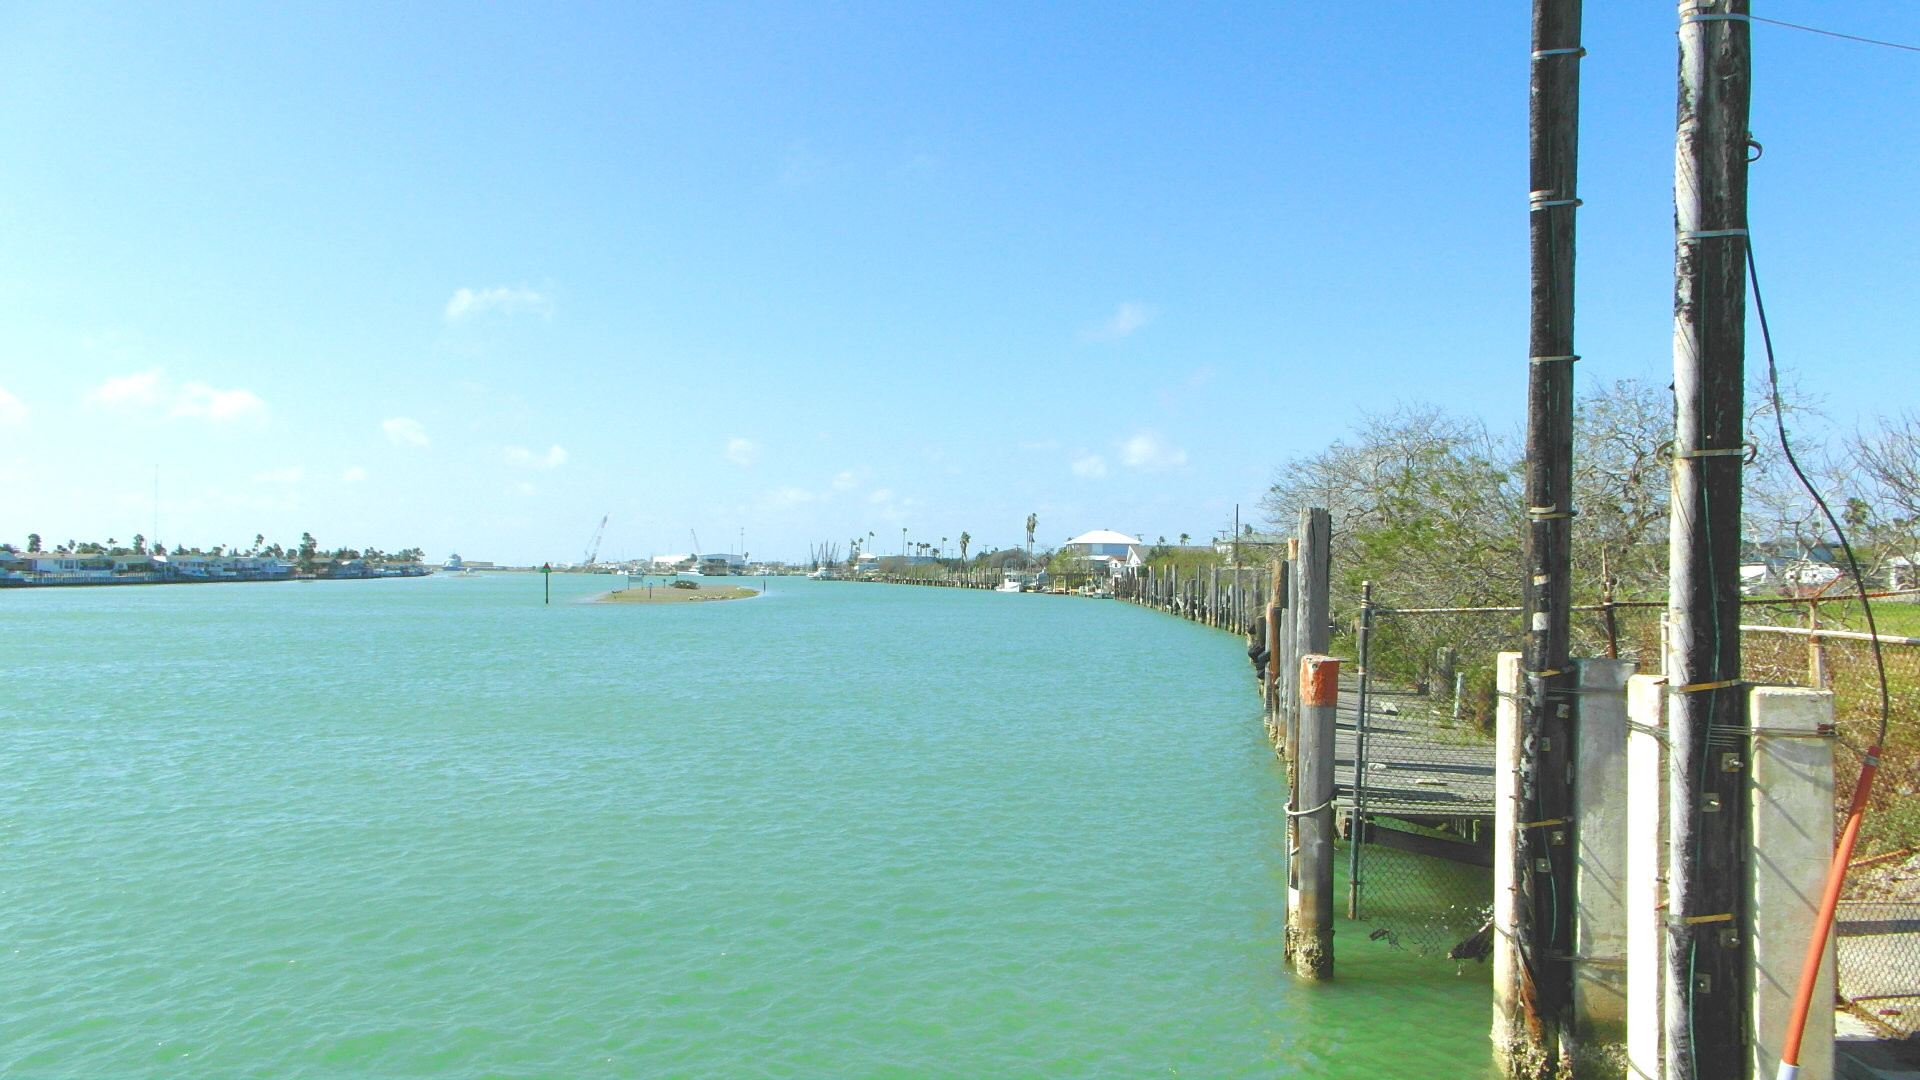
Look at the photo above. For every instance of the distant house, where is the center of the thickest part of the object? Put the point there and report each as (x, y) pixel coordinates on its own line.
(1903, 572)
(65, 568)
(1104, 547)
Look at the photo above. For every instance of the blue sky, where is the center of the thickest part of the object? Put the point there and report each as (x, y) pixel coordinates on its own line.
(470, 277)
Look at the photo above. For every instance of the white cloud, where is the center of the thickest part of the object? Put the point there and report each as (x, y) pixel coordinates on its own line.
(555, 457)
(353, 475)
(289, 475)
(200, 400)
(1147, 451)
(742, 452)
(404, 431)
(782, 498)
(152, 393)
(881, 496)
(1089, 466)
(470, 303)
(845, 480)
(12, 410)
(1128, 317)
(128, 392)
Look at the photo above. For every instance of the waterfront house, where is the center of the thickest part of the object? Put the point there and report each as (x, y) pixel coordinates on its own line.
(67, 568)
(1107, 549)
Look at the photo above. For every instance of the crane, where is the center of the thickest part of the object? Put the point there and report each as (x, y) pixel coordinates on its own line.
(593, 548)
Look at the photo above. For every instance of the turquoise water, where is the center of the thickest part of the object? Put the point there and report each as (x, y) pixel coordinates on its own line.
(432, 827)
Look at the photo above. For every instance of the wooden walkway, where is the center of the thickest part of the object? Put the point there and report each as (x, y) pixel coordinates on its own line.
(1419, 765)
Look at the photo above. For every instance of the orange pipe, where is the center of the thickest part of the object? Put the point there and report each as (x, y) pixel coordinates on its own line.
(1823, 922)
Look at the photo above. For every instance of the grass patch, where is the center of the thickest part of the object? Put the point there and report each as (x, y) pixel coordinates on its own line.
(1899, 620)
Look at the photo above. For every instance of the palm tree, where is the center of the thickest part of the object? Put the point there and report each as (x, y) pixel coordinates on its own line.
(964, 541)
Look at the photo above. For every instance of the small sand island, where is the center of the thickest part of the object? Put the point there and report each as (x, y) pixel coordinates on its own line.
(679, 592)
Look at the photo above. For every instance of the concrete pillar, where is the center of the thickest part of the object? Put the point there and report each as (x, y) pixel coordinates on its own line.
(1792, 800)
(1600, 869)
(1508, 1034)
(1646, 882)
(1310, 878)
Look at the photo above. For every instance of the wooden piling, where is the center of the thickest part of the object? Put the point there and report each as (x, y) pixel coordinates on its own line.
(1309, 940)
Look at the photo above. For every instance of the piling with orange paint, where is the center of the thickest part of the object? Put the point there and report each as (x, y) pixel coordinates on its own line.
(1309, 941)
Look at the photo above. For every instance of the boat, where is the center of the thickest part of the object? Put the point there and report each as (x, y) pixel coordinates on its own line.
(1009, 584)
(455, 568)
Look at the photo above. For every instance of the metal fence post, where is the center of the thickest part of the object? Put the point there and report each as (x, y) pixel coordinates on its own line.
(1357, 820)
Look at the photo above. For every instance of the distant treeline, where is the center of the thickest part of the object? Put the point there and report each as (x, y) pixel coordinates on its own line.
(305, 555)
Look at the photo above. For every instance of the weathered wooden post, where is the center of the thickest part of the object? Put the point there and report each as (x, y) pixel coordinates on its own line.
(1535, 1044)
(1709, 1008)
(1309, 942)
(1445, 659)
(1272, 686)
(1286, 657)
(1286, 660)
(1313, 574)
(1213, 596)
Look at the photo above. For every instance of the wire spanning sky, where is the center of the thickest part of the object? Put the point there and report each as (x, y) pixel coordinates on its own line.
(470, 277)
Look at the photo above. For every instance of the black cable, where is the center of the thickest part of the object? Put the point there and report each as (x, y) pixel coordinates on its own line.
(1853, 563)
(1834, 33)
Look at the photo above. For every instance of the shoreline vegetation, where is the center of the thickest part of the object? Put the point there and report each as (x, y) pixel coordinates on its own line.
(137, 563)
(674, 594)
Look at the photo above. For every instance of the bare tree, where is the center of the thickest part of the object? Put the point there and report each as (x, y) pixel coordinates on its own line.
(1889, 461)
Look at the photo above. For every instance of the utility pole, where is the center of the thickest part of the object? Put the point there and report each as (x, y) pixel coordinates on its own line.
(1709, 1006)
(1534, 1027)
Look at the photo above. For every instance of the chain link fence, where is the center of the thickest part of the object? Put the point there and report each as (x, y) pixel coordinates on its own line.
(1877, 929)
(1420, 781)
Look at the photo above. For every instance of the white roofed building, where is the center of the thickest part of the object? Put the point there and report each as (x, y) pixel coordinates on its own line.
(1107, 547)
